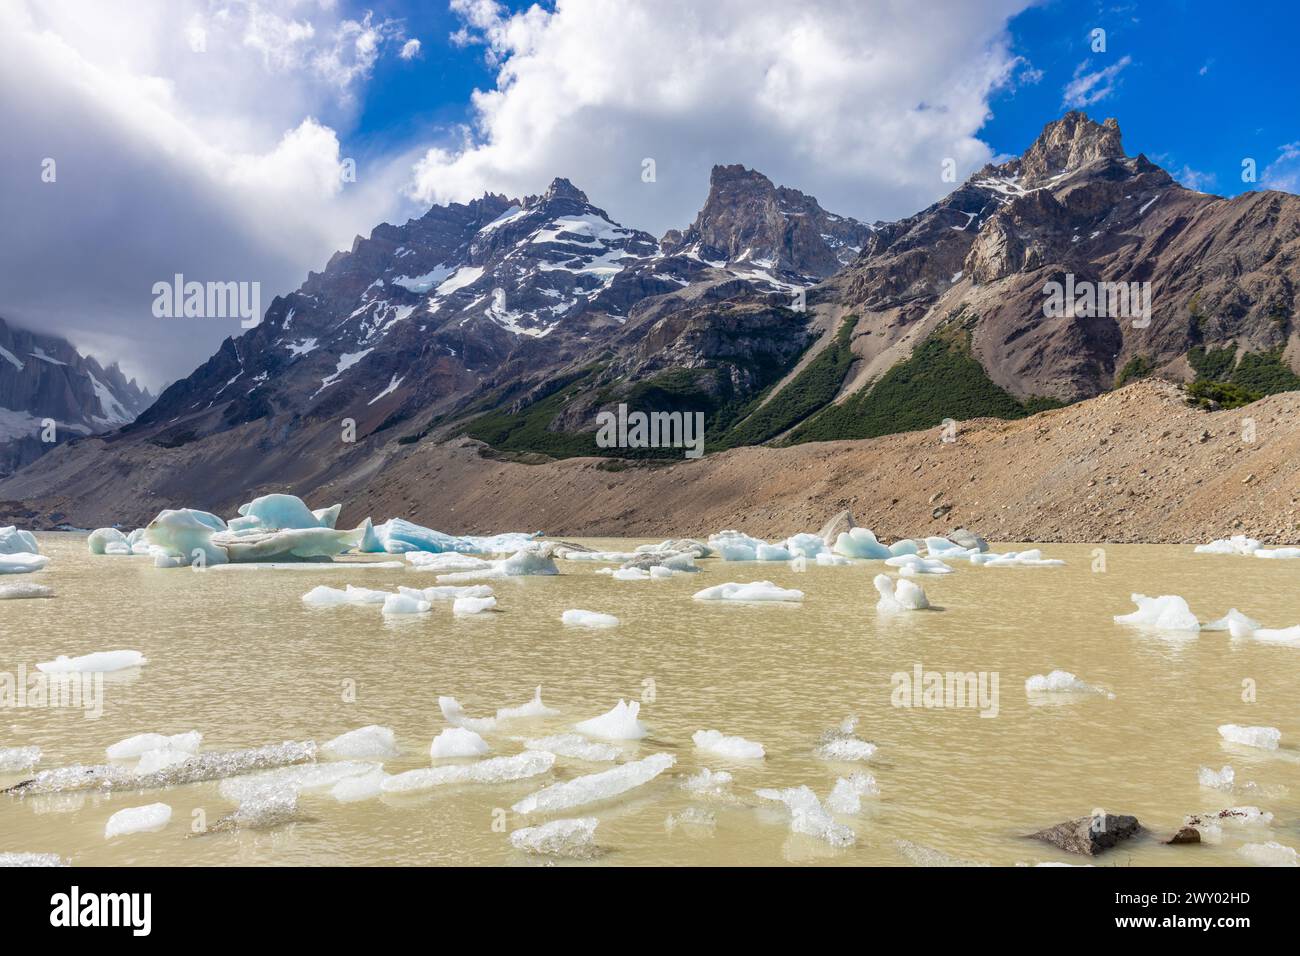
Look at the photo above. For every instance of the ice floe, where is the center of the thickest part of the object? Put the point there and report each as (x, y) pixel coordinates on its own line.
(842, 744)
(361, 787)
(454, 714)
(529, 709)
(31, 860)
(98, 662)
(736, 546)
(22, 563)
(595, 787)
(732, 748)
(108, 541)
(576, 617)
(1032, 558)
(1229, 620)
(1169, 612)
(899, 595)
(753, 591)
(708, 782)
(405, 604)
(576, 747)
(1061, 682)
(846, 796)
(14, 540)
(808, 816)
(526, 561)
(520, 766)
(458, 742)
(365, 743)
(1265, 738)
(473, 605)
(860, 543)
(18, 591)
(18, 759)
(323, 596)
(137, 746)
(1237, 544)
(146, 819)
(618, 724)
(447, 561)
(1271, 853)
(292, 780)
(1215, 779)
(575, 837)
(910, 564)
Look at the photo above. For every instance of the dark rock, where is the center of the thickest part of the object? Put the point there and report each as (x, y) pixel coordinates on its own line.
(967, 539)
(1185, 835)
(1090, 835)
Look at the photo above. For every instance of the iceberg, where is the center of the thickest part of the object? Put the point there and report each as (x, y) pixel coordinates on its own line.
(180, 534)
(397, 535)
(900, 595)
(731, 748)
(808, 816)
(108, 541)
(754, 591)
(279, 512)
(575, 746)
(521, 766)
(289, 544)
(403, 604)
(134, 747)
(473, 605)
(1237, 544)
(735, 546)
(1265, 738)
(805, 545)
(15, 541)
(146, 819)
(595, 787)
(575, 617)
(454, 714)
(910, 564)
(860, 543)
(1168, 612)
(618, 724)
(21, 562)
(365, 743)
(367, 541)
(458, 742)
(100, 662)
(574, 838)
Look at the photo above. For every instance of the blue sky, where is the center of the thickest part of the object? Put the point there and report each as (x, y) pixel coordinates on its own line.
(211, 137)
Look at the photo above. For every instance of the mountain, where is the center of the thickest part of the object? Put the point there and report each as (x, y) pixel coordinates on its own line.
(42, 377)
(514, 322)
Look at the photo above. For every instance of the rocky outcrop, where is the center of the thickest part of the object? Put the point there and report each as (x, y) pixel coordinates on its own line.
(1090, 835)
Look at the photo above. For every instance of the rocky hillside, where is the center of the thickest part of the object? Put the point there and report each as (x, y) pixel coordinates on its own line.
(43, 378)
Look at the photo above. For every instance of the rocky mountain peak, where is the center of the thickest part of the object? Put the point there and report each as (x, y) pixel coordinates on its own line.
(561, 188)
(1065, 144)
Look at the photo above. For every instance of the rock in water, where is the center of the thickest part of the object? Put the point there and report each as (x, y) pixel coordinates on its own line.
(1090, 835)
(842, 523)
(1185, 835)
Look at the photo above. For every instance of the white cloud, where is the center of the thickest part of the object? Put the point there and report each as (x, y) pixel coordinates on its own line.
(858, 104)
(1284, 172)
(410, 49)
(1195, 179)
(1092, 87)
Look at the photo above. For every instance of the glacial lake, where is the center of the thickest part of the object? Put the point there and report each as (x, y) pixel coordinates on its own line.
(236, 655)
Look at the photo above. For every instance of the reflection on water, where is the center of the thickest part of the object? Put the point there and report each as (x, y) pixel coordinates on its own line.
(239, 658)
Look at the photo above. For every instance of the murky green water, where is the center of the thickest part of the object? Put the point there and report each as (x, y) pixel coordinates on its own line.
(237, 656)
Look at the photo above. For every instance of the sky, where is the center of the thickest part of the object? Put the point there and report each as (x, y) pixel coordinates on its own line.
(232, 140)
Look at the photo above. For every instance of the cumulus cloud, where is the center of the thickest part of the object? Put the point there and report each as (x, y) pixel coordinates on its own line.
(183, 141)
(858, 104)
(1088, 87)
(1284, 172)
(410, 49)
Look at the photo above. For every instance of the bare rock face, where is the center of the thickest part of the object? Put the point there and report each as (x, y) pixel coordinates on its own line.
(1090, 835)
(1069, 143)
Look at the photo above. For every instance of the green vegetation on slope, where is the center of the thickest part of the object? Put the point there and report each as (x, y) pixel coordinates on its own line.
(1139, 366)
(1224, 381)
(941, 379)
(814, 387)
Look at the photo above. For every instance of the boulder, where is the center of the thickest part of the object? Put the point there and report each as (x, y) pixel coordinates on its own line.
(842, 523)
(1090, 835)
(1185, 835)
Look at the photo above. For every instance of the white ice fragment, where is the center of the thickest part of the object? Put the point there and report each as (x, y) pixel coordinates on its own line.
(145, 819)
(1061, 682)
(31, 860)
(846, 749)
(22, 563)
(846, 796)
(98, 662)
(293, 780)
(17, 591)
(16, 759)
(140, 744)
(100, 539)
(446, 561)
(1266, 738)
(570, 837)
(708, 782)
(528, 709)
(754, 591)
(808, 816)
(1169, 612)
(530, 763)
(403, 604)
(365, 743)
(595, 787)
(722, 745)
(575, 746)
(1237, 544)
(1215, 780)
(1033, 558)
(575, 617)
(361, 787)
(1271, 853)
(14, 540)
(1229, 620)
(154, 761)
(860, 543)
(911, 564)
(458, 742)
(899, 595)
(618, 724)
(473, 605)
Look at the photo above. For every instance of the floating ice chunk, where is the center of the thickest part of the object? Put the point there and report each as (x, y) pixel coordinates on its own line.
(937, 547)
(597, 557)
(367, 541)
(825, 559)
(506, 543)
(660, 571)
(31, 859)
(98, 662)
(100, 539)
(771, 552)
(1061, 682)
(575, 746)
(473, 605)
(808, 816)
(16, 759)
(1168, 612)
(708, 782)
(1215, 779)
(1271, 853)
(571, 838)
(446, 561)
(15, 541)
(327, 517)
(1233, 617)
(16, 591)
(1266, 738)
(180, 533)
(209, 766)
(281, 512)
(1237, 544)
(154, 761)
(362, 787)
(910, 564)
(22, 563)
(805, 545)
(529, 709)
(447, 592)
(458, 742)
(846, 749)
(618, 724)
(146, 819)
(595, 787)
(900, 595)
(736, 546)
(846, 796)
(399, 535)
(722, 745)
(630, 574)
(753, 591)
(404, 604)
(691, 817)
(530, 763)
(536, 560)
(1033, 558)
(288, 544)
(454, 714)
(1285, 554)
(365, 743)
(860, 543)
(576, 617)
(322, 596)
(293, 780)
